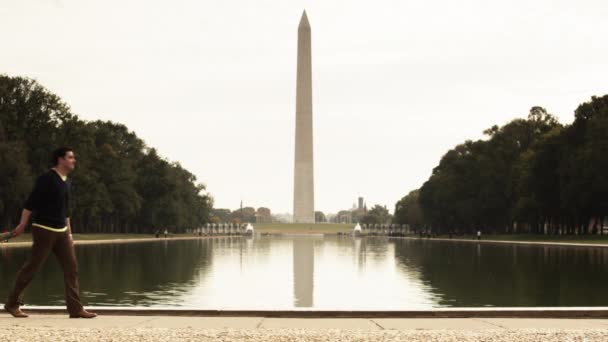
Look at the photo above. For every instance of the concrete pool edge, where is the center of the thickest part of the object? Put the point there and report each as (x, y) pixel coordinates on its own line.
(25, 244)
(503, 312)
(526, 243)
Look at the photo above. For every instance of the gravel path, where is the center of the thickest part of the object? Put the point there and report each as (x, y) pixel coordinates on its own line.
(47, 334)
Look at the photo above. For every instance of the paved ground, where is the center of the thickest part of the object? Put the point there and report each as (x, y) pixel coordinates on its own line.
(155, 328)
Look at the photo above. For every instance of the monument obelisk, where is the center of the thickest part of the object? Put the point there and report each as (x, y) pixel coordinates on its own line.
(304, 191)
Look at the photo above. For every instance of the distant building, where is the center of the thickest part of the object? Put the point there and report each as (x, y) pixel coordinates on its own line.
(357, 214)
(353, 215)
(344, 216)
(282, 218)
(263, 215)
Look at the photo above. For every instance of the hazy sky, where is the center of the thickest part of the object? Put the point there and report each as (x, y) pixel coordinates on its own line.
(211, 84)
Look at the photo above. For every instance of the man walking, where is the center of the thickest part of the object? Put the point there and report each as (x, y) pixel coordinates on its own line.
(51, 231)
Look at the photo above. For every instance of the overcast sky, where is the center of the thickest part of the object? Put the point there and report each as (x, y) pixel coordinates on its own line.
(211, 84)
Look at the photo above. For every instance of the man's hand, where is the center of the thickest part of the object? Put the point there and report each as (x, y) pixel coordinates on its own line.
(19, 229)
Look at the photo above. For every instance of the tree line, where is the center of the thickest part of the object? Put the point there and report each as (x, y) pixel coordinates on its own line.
(242, 215)
(120, 185)
(531, 175)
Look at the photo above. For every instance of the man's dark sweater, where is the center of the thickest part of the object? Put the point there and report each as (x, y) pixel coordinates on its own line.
(49, 200)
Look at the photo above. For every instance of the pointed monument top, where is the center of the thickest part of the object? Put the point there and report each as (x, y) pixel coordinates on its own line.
(304, 20)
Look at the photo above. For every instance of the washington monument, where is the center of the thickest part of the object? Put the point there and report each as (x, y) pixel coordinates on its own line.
(303, 178)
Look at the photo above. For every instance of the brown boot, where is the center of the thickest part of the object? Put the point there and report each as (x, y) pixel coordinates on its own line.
(16, 311)
(83, 314)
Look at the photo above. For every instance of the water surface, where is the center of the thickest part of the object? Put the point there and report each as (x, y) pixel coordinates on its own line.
(321, 272)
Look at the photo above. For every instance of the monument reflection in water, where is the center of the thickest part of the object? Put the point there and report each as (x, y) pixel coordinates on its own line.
(322, 272)
(303, 272)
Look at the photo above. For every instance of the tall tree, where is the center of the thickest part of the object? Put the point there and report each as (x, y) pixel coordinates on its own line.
(408, 211)
(119, 185)
(377, 215)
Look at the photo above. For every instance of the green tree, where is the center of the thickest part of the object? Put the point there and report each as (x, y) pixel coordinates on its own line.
(15, 181)
(408, 211)
(530, 175)
(377, 215)
(476, 184)
(320, 217)
(120, 184)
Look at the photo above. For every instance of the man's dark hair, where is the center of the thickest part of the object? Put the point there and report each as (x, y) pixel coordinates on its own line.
(59, 153)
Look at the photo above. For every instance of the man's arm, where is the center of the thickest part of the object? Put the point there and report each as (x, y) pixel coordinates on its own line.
(67, 206)
(31, 204)
(25, 217)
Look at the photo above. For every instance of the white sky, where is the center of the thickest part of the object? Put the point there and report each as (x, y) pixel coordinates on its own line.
(211, 84)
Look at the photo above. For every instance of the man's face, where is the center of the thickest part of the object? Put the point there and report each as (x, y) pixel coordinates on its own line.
(68, 161)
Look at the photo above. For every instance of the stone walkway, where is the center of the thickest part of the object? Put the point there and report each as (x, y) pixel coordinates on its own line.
(155, 328)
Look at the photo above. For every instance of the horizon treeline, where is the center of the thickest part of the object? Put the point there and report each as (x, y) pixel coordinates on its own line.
(531, 175)
(120, 185)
